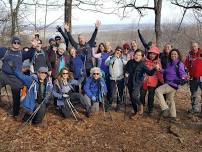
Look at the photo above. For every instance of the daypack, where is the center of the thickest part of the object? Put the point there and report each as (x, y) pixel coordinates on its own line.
(36, 55)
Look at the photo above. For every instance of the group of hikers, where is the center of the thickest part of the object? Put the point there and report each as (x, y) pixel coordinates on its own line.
(94, 75)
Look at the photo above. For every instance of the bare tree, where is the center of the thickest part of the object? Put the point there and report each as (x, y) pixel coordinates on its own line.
(188, 4)
(132, 4)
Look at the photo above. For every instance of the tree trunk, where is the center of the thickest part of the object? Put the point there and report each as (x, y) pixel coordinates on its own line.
(68, 13)
(13, 22)
(158, 6)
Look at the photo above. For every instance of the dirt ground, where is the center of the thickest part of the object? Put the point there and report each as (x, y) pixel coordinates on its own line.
(100, 134)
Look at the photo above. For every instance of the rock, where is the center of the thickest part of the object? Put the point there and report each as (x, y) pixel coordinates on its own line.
(174, 130)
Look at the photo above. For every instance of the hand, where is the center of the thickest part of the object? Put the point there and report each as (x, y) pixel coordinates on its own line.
(49, 73)
(65, 95)
(157, 67)
(94, 98)
(66, 27)
(126, 75)
(59, 28)
(34, 43)
(97, 24)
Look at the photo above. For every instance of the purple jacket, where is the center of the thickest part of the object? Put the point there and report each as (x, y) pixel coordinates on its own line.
(171, 75)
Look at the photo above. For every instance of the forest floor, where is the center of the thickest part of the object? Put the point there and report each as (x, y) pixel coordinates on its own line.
(100, 134)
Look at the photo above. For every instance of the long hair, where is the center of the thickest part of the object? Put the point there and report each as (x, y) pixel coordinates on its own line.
(59, 77)
(178, 52)
(98, 50)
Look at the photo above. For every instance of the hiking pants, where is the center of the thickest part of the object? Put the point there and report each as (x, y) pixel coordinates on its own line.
(16, 86)
(169, 103)
(194, 85)
(115, 86)
(150, 103)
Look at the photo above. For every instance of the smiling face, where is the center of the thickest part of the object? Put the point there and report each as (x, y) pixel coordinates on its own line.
(137, 56)
(72, 52)
(152, 56)
(81, 39)
(42, 76)
(16, 45)
(61, 51)
(102, 48)
(174, 55)
(167, 48)
(96, 74)
(195, 47)
(65, 74)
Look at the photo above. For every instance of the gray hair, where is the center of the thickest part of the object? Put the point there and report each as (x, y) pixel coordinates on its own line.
(95, 69)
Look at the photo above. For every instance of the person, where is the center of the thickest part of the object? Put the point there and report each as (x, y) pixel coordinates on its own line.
(40, 58)
(135, 70)
(116, 65)
(193, 63)
(37, 97)
(37, 36)
(126, 49)
(7, 77)
(58, 40)
(133, 48)
(84, 49)
(64, 90)
(164, 56)
(76, 66)
(108, 47)
(174, 76)
(95, 89)
(150, 82)
(61, 60)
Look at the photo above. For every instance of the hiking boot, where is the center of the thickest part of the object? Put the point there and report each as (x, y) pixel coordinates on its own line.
(88, 113)
(173, 120)
(118, 108)
(43, 125)
(108, 108)
(165, 113)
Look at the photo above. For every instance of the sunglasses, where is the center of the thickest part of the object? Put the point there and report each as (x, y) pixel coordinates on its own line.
(65, 73)
(96, 73)
(16, 43)
(43, 72)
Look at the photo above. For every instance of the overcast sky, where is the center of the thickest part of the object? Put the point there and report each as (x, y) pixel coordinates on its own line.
(170, 13)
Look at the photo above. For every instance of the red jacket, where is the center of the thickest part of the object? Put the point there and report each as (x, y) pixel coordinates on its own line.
(193, 62)
(152, 81)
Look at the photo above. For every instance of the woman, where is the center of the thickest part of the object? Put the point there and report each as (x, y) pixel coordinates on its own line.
(174, 75)
(95, 89)
(150, 82)
(64, 90)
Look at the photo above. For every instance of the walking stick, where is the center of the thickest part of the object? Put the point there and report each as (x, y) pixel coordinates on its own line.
(70, 106)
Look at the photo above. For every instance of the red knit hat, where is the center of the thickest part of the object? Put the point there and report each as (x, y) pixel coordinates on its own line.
(126, 46)
(154, 49)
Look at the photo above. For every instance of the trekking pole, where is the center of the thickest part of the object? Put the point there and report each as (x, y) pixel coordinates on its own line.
(70, 106)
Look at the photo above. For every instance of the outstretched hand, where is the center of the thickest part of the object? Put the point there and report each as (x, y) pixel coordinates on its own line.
(98, 24)
(157, 67)
(59, 28)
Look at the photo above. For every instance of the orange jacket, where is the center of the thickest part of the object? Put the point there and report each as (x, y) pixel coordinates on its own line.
(152, 81)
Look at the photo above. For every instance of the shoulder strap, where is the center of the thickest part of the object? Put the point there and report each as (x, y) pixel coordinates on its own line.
(7, 51)
(177, 69)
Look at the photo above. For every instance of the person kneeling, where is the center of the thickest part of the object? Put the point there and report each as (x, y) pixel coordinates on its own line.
(63, 90)
(95, 89)
(37, 96)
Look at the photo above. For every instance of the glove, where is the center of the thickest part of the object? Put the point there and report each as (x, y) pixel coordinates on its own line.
(12, 65)
(59, 28)
(93, 98)
(65, 95)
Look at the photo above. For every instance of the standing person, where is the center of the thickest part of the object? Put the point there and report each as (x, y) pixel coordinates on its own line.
(164, 56)
(58, 40)
(40, 58)
(108, 48)
(61, 60)
(7, 77)
(133, 48)
(95, 89)
(126, 50)
(76, 66)
(116, 64)
(150, 82)
(193, 63)
(64, 89)
(174, 76)
(38, 94)
(84, 49)
(135, 70)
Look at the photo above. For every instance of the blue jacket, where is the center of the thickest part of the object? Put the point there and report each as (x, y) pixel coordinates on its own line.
(103, 66)
(76, 66)
(58, 89)
(32, 83)
(96, 88)
(17, 57)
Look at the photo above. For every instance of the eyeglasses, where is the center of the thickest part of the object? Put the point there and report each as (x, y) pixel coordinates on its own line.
(16, 43)
(96, 73)
(43, 72)
(65, 73)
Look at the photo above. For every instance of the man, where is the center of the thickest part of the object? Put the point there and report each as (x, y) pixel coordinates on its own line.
(57, 40)
(38, 94)
(84, 48)
(7, 77)
(193, 63)
(40, 58)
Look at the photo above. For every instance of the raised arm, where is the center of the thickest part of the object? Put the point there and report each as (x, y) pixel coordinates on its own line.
(92, 40)
(144, 43)
(71, 40)
(63, 34)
